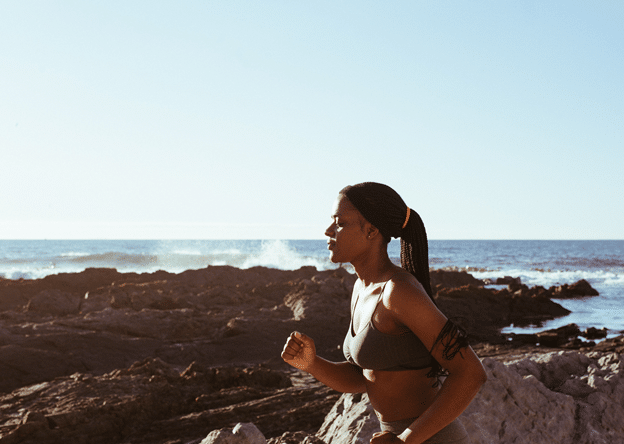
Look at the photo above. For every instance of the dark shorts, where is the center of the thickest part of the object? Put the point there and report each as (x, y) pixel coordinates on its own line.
(454, 433)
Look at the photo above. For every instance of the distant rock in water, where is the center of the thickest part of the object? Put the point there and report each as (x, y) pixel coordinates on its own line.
(579, 289)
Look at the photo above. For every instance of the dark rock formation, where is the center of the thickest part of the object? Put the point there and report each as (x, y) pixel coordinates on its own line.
(101, 356)
(577, 290)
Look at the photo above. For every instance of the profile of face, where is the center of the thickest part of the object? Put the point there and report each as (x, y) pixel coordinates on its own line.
(347, 233)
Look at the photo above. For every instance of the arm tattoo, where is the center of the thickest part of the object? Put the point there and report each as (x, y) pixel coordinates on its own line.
(453, 339)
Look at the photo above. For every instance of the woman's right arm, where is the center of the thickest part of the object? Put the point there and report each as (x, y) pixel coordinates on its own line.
(300, 352)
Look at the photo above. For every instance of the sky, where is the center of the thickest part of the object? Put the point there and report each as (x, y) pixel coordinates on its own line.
(243, 119)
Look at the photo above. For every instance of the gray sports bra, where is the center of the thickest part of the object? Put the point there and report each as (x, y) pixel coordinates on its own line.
(374, 350)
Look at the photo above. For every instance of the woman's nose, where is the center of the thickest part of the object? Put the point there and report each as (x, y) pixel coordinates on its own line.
(330, 230)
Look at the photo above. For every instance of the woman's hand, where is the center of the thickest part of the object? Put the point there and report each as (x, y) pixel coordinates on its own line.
(385, 438)
(299, 351)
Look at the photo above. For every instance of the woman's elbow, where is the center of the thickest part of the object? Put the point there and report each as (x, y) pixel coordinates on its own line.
(473, 374)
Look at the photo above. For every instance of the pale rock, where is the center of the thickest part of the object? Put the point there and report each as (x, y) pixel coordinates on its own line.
(555, 368)
(242, 433)
(352, 420)
(511, 408)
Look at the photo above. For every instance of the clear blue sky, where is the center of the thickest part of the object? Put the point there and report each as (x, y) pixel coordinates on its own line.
(243, 119)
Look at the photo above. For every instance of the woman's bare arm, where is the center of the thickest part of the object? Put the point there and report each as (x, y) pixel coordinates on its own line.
(412, 306)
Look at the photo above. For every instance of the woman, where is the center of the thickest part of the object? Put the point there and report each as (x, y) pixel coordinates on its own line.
(399, 345)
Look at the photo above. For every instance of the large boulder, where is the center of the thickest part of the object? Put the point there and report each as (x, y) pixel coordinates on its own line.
(561, 397)
(351, 420)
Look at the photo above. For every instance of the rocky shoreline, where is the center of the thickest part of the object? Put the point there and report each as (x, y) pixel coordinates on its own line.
(108, 357)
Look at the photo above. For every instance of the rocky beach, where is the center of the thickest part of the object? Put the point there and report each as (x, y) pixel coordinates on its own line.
(182, 358)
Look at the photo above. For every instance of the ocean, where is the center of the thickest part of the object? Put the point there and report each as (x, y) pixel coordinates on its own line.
(538, 262)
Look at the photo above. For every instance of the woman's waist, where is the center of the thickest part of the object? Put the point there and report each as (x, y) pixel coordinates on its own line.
(399, 395)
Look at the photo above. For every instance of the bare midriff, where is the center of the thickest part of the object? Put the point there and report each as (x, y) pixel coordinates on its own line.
(397, 395)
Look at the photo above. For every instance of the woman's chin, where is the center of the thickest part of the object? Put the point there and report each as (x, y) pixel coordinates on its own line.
(333, 258)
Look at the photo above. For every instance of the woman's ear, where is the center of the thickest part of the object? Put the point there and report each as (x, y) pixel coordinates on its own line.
(371, 231)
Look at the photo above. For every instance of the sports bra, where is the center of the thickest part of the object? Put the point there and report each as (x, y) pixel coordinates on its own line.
(374, 350)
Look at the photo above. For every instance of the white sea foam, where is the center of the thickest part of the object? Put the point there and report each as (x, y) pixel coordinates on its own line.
(74, 254)
(279, 254)
(549, 278)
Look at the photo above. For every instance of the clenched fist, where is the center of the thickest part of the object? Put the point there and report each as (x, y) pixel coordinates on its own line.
(299, 351)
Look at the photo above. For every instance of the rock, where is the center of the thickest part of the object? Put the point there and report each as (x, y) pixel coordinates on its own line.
(54, 302)
(452, 279)
(296, 438)
(242, 433)
(559, 336)
(351, 420)
(151, 402)
(579, 289)
(594, 333)
(160, 357)
(559, 397)
(513, 409)
(508, 280)
(482, 312)
(524, 338)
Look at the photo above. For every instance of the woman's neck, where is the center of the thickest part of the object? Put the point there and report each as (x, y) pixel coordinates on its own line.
(374, 268)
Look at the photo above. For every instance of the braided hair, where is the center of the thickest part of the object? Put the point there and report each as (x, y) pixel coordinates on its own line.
(386, 210)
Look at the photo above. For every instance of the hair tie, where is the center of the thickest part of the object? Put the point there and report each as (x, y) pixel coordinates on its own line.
(406, 218)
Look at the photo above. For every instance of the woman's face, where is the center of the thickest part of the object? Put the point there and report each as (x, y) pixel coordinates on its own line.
(347, 236)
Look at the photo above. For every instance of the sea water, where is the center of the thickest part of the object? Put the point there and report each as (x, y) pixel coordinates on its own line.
(545, 263)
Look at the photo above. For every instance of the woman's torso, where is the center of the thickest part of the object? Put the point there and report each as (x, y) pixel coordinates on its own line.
(394, 394)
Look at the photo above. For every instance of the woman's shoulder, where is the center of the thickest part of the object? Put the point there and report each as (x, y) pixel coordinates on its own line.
(403, 287)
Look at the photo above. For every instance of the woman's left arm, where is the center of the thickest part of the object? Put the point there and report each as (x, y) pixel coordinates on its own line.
(413, 307)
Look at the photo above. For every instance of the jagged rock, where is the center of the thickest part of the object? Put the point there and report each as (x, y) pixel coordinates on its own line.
(152, 402)
(562, 397)
(242, 433)
(90, 391)
(351, 420)
(319, 298)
